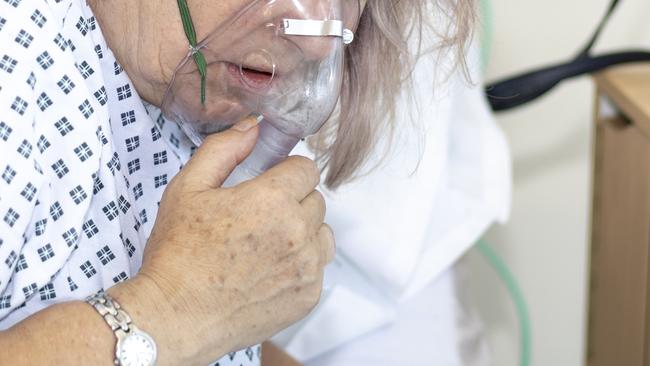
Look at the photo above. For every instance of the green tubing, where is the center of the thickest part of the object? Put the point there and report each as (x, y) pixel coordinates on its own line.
(487, 31)
(484, 248)
(518, 298)
(190, 33)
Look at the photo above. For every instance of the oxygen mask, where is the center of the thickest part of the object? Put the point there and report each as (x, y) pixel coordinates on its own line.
(282, 60)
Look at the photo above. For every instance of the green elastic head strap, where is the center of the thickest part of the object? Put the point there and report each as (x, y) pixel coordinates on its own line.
(188, 26)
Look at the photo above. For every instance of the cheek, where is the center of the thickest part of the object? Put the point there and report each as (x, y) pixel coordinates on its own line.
(173, 49)
(207, 14)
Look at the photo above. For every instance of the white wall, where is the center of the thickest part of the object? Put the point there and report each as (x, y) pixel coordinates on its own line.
(545, 243)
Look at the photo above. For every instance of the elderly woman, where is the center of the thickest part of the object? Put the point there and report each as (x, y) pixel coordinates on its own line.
(95, 204)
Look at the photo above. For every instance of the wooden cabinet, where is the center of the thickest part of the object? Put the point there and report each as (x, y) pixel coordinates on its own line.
(619, 298)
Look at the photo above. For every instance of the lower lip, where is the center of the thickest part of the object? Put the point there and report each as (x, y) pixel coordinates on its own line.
(249, 78)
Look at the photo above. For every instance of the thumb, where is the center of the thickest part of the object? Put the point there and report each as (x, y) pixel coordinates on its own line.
(219, 154)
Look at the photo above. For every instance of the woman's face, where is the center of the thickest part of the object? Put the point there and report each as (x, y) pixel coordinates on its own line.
(148, 37)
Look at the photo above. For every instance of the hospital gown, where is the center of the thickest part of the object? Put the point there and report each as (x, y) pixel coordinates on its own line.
(83, 165)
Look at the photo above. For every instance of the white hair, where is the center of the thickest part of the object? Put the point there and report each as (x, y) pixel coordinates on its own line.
(378, 67)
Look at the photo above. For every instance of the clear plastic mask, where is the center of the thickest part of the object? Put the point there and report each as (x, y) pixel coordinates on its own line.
(281, 59)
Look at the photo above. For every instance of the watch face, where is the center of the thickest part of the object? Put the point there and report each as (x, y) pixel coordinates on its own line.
(137, 349)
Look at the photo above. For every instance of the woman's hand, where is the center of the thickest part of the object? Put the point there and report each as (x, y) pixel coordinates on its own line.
(233, 266)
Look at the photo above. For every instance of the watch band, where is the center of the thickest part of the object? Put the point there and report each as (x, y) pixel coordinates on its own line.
(110, 310)
(119, 322)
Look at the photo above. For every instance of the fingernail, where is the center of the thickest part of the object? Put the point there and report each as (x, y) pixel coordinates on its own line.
(246, 124)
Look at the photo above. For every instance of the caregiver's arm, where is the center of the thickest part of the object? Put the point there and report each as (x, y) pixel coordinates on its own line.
(224, 268)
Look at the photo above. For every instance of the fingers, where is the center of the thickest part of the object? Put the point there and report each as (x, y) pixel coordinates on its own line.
(314, 207)
(297, 176)
(328, 244)
(219, 155)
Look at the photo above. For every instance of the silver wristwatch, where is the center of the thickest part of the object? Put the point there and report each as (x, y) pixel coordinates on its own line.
(134, 347)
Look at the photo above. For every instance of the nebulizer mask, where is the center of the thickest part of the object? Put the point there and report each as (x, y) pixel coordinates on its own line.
(280, 60)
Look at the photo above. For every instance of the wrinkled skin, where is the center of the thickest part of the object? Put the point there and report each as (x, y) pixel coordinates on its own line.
(229, 267)
(148, 39)
(223, 268)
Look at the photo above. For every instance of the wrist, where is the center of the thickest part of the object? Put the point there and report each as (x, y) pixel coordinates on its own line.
(145, 304)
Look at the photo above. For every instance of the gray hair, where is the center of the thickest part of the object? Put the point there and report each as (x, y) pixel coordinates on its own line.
(378, 67)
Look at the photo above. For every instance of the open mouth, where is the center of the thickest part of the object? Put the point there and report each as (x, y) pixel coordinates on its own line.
(251, 77)
(256, 75)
